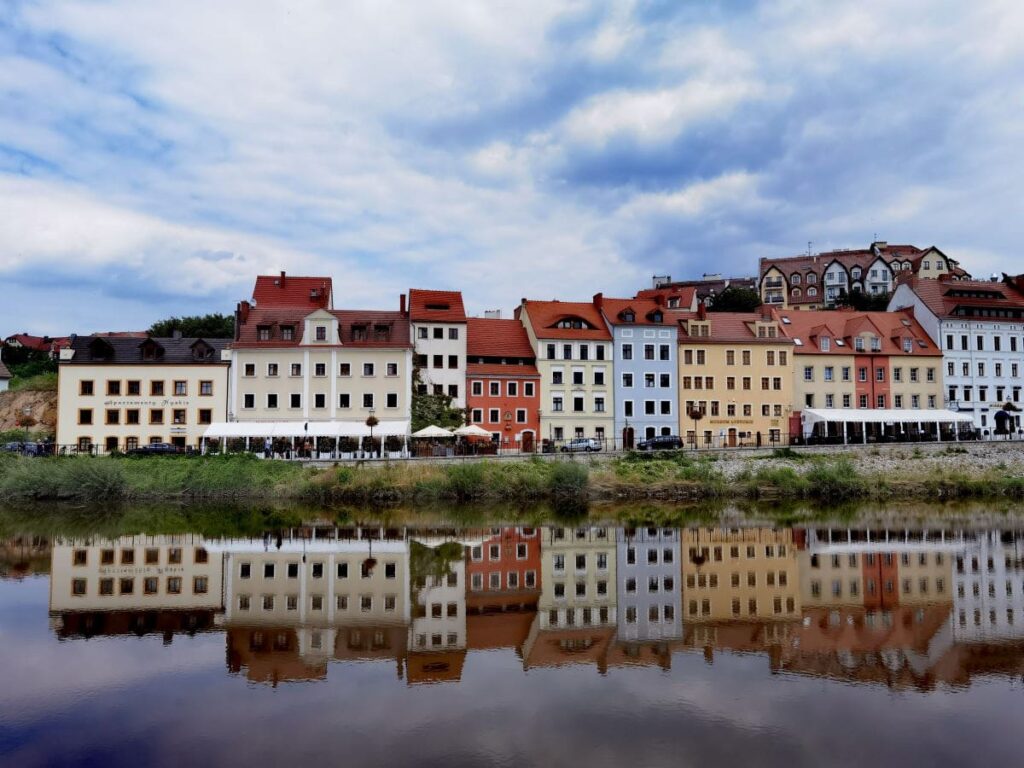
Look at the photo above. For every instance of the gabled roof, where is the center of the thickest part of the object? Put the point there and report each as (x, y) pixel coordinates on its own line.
(4, 373)
(947, 298)
(890, 327)
(436, 306)
(497, 338)
(127, 349)
(685, 294)
(726, 328)
(283, 290)
(546, 315)
(643, 309)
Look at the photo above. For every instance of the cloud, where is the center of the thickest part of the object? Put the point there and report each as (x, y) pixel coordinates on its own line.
(535, 148)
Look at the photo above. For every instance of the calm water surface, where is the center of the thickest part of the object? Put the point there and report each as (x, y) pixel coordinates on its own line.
(515, 646)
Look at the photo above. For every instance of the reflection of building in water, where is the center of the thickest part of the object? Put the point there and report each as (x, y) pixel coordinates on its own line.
(649, 592)
(577, 607)
(135, 584)
(503, 574)
(437, 635)
(24, 556)
(989, 601)
(293, 604)
(746, 573)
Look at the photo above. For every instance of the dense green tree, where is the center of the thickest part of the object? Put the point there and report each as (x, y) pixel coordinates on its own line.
(431, 408)
(863, 302)
(213, 326)
(734, 299)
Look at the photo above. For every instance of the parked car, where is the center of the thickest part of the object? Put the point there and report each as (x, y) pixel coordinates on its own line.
(587, 444)
(661, 443)
(155, 449)
(27, 449)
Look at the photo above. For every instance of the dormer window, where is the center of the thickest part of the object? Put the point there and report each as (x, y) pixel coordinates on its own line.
(321, 333)
(795, 280)
(858, 343)
(673, 302)
(812, 291)
(856, 272)
(876, 344)
(438, 307)
(571, 322)
(908, 345)
(381, 332)
(151, 350)
(201, 351)
(812, 278)
(263, 333)
(358, 333)
(825, 343)
(287, 332)
(657, 317)
(629, 316)
(100, 350)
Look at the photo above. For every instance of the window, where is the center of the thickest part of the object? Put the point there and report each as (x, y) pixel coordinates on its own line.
(248, 401)
(367, 400)
(367, 369)
(627, 351)
(272, 400)
(319, 400)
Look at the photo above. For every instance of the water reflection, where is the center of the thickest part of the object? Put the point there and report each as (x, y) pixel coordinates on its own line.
(904, 608)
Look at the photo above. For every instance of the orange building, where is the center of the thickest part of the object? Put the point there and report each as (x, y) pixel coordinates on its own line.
(503, 572)
(502, 383)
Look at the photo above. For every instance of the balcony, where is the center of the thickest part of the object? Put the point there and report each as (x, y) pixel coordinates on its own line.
(773, 282)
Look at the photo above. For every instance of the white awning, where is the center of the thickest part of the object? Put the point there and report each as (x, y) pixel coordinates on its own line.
(812, 416)
(224, 429)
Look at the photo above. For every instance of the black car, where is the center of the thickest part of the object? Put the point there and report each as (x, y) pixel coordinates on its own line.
(155, 449)
(661, 443)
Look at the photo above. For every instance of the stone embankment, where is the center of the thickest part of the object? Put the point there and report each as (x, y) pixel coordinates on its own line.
(36, 409)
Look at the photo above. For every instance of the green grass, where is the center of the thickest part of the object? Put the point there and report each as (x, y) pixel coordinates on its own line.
(41, 382)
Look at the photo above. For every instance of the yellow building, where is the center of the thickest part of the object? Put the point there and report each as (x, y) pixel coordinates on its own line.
(119, 393)
(736, 368)
(739, 574)
(573, 348)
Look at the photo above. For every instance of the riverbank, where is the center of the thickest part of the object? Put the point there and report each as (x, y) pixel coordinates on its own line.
(926, 473)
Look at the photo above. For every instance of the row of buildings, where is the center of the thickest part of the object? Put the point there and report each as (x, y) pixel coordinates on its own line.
(944, 361)
(907, 606)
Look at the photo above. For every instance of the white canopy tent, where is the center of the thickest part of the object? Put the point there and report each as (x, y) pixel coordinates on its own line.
(433, 431)
(303, 429)
(472, 430)
(893, 417)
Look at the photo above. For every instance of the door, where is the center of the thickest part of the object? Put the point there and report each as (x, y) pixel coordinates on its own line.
(628, 438)
(732, 437)
(527, 444)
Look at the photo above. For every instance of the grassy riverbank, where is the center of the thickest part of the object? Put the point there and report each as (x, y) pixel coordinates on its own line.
(784, 475)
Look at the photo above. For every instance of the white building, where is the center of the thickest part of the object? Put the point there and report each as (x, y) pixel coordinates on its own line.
(649, 584)
(980, 328)
(989, 598)
(439, 335)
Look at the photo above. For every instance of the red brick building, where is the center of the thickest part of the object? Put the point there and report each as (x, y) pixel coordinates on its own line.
(503, 572)
(502, 383)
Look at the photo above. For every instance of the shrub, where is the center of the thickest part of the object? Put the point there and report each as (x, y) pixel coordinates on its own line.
(465, 481)
(835, 481)
(568, 478)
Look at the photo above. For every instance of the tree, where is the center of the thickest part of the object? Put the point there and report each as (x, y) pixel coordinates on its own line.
(214, 326)
(863, 302)
(433, 408)
(734, 299)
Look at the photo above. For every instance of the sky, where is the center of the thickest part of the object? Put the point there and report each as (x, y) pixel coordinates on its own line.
(156, 156)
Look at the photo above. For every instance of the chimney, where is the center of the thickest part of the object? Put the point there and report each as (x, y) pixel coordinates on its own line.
(659, 299)
(176, 334)
(401, 303)
(702, 311)
(599, 301)
(282, 280)
(492, 314)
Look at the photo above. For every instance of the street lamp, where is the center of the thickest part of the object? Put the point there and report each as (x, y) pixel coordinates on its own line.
(371, 422)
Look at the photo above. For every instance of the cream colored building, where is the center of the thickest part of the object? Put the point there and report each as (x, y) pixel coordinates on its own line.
(737, 369)
(135, 573)
(578, 578)
(439, 333)
(119, 393)
(574, 359)
(321, 373)
(734, 574)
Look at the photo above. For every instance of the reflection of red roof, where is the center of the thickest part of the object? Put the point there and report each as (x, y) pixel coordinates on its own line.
(641, 308)
(497, 338)
(291, 291)
(497, 369)
(545, 315)
(436, 306)
(442, 667)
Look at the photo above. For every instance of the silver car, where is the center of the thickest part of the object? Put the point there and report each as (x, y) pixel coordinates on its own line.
(587, 444)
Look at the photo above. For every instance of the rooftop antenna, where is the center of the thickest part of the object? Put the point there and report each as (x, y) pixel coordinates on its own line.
(808, 247)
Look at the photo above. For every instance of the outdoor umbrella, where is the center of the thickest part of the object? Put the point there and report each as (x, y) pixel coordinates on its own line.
(472, 431)
(433, 431)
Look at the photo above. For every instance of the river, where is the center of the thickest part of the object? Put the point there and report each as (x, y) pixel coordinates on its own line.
(724, 639)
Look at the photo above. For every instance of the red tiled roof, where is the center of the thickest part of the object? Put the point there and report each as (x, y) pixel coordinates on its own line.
(612, 309)
(274, 291)
(685, 294)
(726, 328)
(545, 315)
(38, 343)
(890, 327)
(497, 338)
(397, 323)
(497, 369)
(940, 295)
(439, 306)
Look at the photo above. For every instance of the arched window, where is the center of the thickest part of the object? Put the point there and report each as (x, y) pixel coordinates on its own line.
(797, 293)
(811, 277)
(856, 273)
(812, 291)
(795, 280)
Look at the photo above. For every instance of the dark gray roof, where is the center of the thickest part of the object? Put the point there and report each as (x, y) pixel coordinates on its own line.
(4, 373)
(165, 351)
